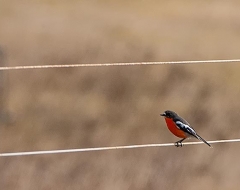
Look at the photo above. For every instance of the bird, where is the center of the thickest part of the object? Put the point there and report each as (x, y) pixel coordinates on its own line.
(180, 127)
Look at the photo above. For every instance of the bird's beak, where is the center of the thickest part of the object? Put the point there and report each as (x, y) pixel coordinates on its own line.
(163, 114)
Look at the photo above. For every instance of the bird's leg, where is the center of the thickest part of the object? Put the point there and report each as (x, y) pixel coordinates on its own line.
(179, 143)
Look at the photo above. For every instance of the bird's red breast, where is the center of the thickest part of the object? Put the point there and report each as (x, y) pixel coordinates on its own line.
(174, 129)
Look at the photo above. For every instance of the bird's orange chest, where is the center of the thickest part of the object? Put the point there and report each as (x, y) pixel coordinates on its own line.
(173, 128)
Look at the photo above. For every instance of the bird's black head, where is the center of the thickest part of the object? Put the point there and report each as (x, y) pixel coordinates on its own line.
(169, 114)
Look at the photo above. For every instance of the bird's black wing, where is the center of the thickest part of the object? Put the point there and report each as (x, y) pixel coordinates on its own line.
(186, 128)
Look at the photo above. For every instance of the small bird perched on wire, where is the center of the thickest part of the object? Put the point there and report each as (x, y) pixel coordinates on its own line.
(180, 127)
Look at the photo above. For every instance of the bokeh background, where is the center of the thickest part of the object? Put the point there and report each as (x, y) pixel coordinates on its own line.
(68, 108)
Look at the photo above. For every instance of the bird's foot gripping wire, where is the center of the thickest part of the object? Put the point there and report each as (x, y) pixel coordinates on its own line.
(179, 143)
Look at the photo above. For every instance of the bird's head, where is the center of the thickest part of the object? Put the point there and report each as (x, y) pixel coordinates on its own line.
(169, 114)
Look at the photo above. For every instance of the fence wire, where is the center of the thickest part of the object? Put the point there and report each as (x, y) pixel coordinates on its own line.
(116, 64)
(109, 148)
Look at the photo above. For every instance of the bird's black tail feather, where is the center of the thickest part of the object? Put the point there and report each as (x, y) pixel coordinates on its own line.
(201, 139)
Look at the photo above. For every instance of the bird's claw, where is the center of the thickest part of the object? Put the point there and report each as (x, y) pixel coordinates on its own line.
(178, 144)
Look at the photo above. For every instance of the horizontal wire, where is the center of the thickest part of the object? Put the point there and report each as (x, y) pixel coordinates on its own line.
(115, 64)
(108, 148)
(116, 147)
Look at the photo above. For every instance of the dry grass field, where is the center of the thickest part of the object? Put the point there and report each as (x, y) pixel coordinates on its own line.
(67, 108)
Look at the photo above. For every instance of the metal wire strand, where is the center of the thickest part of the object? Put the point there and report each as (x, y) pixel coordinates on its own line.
(116, 64)
(109, 148)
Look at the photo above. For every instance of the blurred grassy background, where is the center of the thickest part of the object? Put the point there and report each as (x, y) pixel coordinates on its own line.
(91, 107)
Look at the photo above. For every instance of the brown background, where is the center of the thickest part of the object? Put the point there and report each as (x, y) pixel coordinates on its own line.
(49, 109)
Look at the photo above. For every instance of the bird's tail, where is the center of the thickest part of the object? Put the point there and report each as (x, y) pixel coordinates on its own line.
(201, 139)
